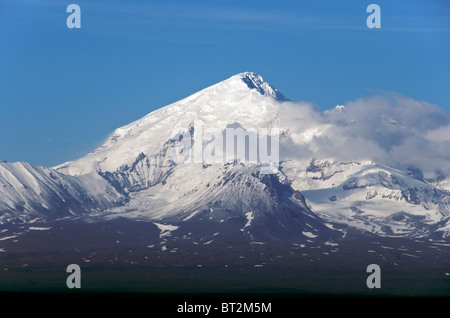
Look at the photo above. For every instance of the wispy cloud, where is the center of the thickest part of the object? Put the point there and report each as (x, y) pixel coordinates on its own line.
(182, 15)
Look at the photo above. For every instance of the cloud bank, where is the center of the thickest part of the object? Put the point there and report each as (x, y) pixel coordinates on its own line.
(390, 129)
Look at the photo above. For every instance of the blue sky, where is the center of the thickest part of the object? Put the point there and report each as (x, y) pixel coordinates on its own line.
(63, 91)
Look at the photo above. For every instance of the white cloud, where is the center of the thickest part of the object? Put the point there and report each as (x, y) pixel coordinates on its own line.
(390, 129)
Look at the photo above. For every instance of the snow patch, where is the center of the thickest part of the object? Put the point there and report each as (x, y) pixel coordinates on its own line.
(309, 234)
(250, 217)
(166, 229)
(7, 237)
(36, 228)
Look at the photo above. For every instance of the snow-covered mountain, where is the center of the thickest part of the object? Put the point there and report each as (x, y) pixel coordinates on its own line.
(30, 192)
(317, 190)
(372, 197)
(244, 99)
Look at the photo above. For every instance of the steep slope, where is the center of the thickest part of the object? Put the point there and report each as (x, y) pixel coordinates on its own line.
(232, 198)
(244, 98)
(28, 192)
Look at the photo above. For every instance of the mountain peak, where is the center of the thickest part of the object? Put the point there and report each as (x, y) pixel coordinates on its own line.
(255, 81)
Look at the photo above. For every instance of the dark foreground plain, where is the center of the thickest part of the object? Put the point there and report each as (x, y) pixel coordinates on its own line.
(133, 267)
(133, 257)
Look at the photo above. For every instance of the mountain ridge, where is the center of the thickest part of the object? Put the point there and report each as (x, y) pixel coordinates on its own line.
(134, 173)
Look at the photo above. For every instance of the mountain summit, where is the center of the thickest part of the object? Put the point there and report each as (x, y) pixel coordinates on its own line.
(255, 81)
(243, 98)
